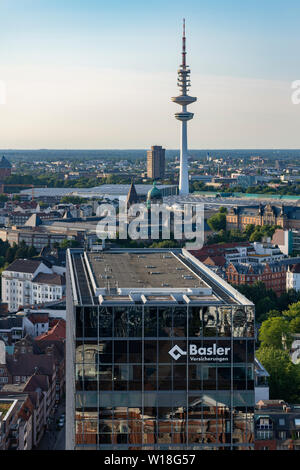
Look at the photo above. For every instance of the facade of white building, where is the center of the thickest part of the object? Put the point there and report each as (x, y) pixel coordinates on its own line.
(256, 253)
(29, 282)
(293, 277)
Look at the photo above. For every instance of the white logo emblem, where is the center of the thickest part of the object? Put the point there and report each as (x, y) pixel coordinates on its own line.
(176, 352)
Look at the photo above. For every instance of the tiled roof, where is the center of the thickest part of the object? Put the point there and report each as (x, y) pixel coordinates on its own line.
(295, 268)
(27, 364)
(215, 260)
(257, 268)
(52, 279)
(218, 249)
(57, 333)
(132, 196)
(37, 381)
(24, 266)
(38, 318)
(34, 221)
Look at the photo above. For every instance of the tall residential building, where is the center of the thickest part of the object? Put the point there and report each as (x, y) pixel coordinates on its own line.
(184, 115)
(156, 162)
(160, 354)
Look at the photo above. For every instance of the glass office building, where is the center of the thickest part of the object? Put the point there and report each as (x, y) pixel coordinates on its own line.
(160, 354)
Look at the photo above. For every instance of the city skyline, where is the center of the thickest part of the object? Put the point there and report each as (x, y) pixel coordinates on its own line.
(66, 67)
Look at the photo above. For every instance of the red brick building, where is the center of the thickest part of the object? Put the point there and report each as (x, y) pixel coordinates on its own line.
(216, 254)
(273, 275)
(56, 338)
(277, 426)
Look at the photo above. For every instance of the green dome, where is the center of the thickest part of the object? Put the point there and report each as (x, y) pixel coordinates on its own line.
(154, 193)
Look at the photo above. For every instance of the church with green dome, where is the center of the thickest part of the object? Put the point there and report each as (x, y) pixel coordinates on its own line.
(154, 196)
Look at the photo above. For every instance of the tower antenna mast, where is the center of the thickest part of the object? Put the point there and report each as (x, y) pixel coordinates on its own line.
(183, 100)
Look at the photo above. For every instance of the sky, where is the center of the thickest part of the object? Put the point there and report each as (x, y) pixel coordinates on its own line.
(94, 74)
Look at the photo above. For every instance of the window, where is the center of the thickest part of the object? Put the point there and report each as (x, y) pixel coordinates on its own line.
(264, 435)
(264, 423)
(297, 421)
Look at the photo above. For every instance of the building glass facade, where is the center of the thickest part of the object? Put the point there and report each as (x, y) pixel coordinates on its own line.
(164, 376)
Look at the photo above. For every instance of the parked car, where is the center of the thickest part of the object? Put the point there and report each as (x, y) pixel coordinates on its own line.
(60, 424)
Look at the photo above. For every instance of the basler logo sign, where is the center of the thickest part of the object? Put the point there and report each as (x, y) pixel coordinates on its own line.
(207, 352)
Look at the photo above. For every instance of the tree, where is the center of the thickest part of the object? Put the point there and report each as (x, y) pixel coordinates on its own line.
(22, 250)
(249, 229)
(288, 298)
(273, 313)
(31, 252)
(217, 222)
(294, 325)
(284, 375)
(69, 244)
(72, 200)
(256, 236)
(165, 244)
(293, 311)
(262, 306)
(272, 330)
(10, 254)
(264, 299)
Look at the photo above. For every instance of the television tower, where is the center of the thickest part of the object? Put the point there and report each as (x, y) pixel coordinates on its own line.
(184, 100)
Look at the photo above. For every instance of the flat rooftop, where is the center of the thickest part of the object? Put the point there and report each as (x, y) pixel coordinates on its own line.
(110, 190)
(149, 270)
(147, 276)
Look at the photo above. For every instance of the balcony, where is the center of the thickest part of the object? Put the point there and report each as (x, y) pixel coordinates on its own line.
(264, 427)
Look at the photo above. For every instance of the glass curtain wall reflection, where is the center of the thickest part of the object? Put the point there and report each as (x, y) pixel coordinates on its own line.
(132, 393)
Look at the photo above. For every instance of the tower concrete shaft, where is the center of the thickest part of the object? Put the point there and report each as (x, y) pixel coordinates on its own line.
(184, 100)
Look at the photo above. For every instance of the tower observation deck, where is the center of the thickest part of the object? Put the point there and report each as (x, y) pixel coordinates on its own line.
(184, 115)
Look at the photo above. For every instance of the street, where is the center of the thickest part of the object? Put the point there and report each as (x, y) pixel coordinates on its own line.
(54, 439)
